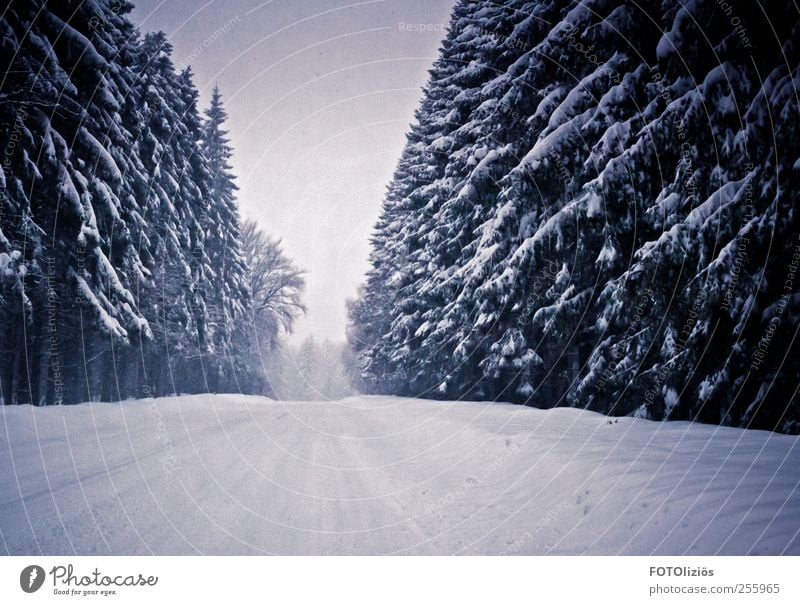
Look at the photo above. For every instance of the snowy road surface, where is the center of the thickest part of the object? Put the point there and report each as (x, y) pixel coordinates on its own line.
(232, 474)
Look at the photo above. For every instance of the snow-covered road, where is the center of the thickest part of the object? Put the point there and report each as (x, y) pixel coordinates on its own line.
(246, 475)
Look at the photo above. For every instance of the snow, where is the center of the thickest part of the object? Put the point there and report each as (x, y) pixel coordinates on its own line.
(554, 142)
(608, 254)
(671, 41)
(231, 474)
(594, 204)
(5, 264)
(102, 157)
(109, 324)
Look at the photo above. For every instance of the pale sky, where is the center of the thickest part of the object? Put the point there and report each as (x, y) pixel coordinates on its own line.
(320, 94)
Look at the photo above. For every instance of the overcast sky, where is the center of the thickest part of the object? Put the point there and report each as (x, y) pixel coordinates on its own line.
(320, 94)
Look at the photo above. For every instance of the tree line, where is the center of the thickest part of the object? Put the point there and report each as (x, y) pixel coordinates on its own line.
(125, 269)
(597, 207)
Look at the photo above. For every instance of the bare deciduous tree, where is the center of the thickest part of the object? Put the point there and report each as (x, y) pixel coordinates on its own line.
(276, 285)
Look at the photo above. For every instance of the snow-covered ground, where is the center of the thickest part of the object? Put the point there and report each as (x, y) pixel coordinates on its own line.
(232, 474)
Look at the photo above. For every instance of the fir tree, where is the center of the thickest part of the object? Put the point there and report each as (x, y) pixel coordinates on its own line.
(121, 271)
(228, 289)
(603, 215)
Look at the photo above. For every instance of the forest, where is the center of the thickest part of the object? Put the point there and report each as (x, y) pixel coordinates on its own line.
(596, 207)
(125, 268)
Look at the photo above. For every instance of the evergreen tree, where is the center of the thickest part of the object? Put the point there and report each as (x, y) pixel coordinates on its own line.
(67, 213)
(603, 216)
(228, 292)
(121, 272)
(312, 371)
